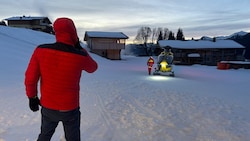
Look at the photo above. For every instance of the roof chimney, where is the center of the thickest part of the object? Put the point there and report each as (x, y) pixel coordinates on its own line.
(214, 39)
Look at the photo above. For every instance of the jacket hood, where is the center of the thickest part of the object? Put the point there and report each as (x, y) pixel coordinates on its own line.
(65, 31)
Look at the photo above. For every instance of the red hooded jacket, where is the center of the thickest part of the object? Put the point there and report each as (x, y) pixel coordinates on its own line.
(58, 66)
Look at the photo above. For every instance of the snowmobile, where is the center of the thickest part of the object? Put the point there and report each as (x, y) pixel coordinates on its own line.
(165, 64)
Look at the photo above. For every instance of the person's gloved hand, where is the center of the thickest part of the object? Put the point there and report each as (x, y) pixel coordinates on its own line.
(34, 104)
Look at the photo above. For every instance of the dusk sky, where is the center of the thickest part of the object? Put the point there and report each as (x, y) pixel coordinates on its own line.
(195, 17)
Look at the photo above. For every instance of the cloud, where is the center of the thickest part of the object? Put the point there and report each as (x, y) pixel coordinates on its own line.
(194, 17)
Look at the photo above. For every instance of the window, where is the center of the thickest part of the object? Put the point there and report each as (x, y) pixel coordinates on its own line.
(121, 41)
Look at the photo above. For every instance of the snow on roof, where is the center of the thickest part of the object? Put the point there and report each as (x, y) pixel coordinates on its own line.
(201, 44)
(236, 62)
(27, 18)
(194, 55)
(98, 34)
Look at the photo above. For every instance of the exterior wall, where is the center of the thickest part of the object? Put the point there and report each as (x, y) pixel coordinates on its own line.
(31, 24)
(106, 43)
(207, 56)
(114, 54)
(109, 48)
(25, 24)
(101, 52)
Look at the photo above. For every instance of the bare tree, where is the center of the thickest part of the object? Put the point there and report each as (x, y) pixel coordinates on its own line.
(143, 35)
(166, 34)
(157, 34)
(154, 33)
(160, 36)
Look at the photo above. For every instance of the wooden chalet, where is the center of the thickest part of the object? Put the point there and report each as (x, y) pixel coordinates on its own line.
(203, 51)
(35, 23)
(106, 44)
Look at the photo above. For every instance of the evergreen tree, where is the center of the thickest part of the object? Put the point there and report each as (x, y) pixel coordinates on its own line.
(160, 37)
(180, 35)
(171, 36)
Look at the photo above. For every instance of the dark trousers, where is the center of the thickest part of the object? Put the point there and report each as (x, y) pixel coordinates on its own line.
(149, 70)
(70, 121)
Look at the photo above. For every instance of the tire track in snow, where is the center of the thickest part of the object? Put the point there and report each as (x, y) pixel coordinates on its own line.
(105, 114)
(142, 109)
(129, 114)
(121, 114)
(105, 124)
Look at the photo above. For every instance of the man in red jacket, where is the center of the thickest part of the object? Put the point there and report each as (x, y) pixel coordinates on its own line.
(58, 66)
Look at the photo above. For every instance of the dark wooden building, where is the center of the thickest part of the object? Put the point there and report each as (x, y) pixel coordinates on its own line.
(203, 51)
(35, 23)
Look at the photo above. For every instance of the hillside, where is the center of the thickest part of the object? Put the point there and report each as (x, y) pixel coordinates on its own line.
(245, 41)
(232, 36)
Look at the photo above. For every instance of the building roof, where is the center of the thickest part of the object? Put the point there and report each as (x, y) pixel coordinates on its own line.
(27, 18)
(99, 34)
(201, 44)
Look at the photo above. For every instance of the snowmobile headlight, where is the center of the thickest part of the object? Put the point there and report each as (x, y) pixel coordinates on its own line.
(164, 63)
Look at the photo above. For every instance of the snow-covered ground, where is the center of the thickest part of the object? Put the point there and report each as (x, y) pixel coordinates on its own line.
(120, 102)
